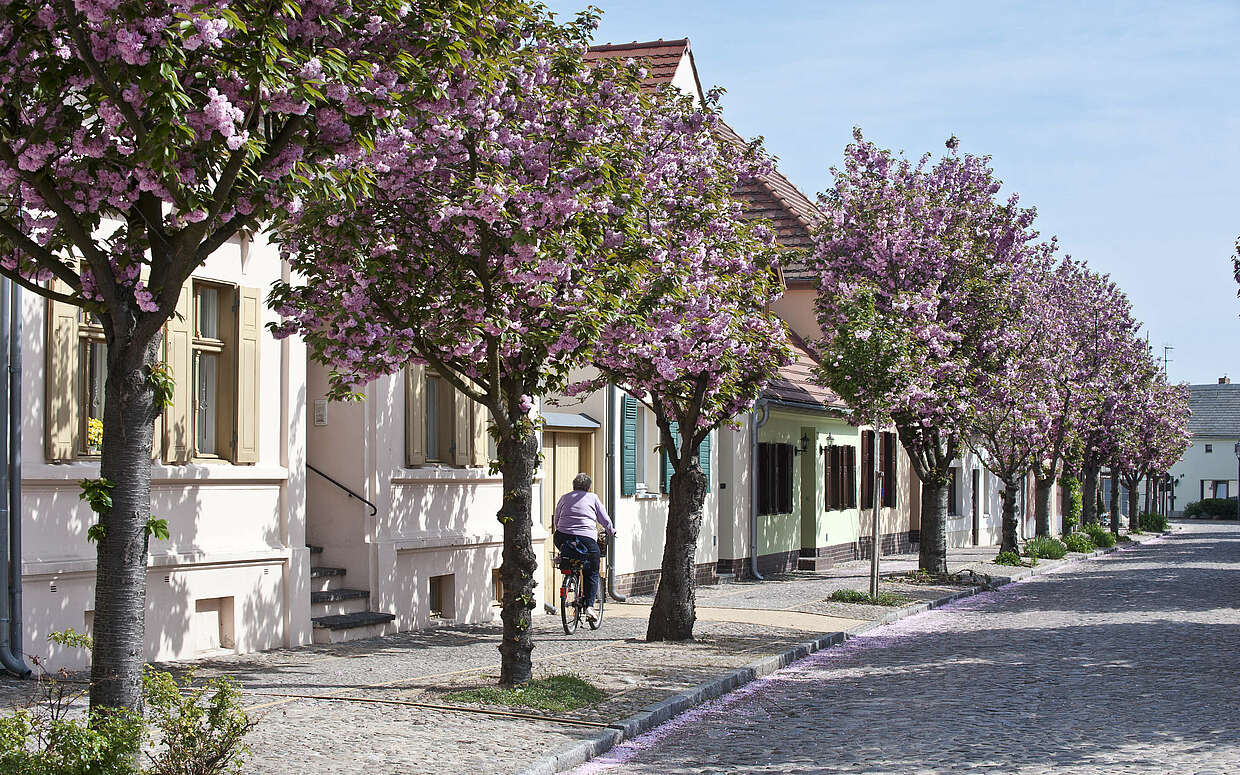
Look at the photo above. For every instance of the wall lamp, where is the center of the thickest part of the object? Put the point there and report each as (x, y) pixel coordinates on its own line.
(830, 443)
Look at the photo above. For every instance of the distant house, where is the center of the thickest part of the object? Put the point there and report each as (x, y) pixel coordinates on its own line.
(1208, 467)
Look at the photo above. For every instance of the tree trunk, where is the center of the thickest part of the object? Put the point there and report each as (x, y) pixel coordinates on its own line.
(673, 614)
(1009, 541)
(932, 554)
(518, 461)
(119, 651)
(1115, 474)
(1042, 505)
(1089, 496)
(1134, 505)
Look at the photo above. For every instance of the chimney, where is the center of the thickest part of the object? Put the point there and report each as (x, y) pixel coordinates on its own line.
(1224, 380)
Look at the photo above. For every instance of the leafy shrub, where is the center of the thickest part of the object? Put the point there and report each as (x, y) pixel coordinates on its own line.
(1075, 502)
(857, 596)
(1045, 547)
(1078, 542)
(200, 728)
(1101, 537)
(1154, 523)
(1212, 508)
(1008, 558)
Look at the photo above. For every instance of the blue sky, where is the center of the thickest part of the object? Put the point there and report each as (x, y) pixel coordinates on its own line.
(1119, 121)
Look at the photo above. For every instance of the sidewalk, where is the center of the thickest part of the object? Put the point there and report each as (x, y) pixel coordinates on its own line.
(380, 703)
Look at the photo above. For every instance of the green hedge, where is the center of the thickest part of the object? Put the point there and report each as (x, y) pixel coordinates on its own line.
(1079, 542)
(1101, 537)
(1154, 523)
(1215, 508)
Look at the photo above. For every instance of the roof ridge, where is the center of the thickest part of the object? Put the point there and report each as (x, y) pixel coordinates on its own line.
(640, 44)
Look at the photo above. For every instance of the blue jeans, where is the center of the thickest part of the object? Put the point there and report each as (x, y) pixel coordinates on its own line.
(589, 562)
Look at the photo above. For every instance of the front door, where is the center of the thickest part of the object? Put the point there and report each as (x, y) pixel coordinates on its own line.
(565, 454)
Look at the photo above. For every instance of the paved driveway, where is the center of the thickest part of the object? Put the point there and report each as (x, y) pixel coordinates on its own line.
(1127, 664)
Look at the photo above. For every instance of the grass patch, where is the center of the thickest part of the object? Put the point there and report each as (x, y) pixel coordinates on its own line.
(1102, 538)
(1046, 548)
(1079, 542)
(856, 596)
(1012, 558)
(555, 693)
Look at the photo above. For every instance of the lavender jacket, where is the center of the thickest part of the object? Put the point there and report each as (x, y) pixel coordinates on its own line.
(577, 512)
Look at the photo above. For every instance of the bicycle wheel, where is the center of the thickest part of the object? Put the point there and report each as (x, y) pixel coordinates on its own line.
(598, 604)
(570, 611)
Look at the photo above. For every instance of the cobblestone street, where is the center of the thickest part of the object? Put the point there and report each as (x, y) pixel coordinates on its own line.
(1123, 665)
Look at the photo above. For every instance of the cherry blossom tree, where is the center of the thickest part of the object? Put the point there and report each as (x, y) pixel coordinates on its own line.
(135, 139)
(698, 341)
(490, 249)
(1017, 391)
(914, 264)
(1152, 434)
(1094, 322)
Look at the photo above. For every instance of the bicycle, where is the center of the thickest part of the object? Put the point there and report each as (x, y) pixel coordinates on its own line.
(572, 605)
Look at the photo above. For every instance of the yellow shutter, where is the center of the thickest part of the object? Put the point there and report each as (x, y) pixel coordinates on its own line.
(249, 328)
(415, 415)
(462, 428)
(179, 354)
(478, 453)
(61, 385)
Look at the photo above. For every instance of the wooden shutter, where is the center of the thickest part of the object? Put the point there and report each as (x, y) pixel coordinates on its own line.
(785, 478)
(867, 469)
(415, 415)
(249, 327)
(62, 384)
(179, 354)
(479, 451)
(462, 433)
(889, 468)
(850, 478)
(828, 480)
(628, 445)
(666, 457)
(763, 467)
(704, 459)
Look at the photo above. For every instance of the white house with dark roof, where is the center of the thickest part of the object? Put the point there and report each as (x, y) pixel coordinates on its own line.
(1208, 468)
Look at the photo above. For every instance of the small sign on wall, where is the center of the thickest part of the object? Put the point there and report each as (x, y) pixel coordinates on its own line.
(320, 411)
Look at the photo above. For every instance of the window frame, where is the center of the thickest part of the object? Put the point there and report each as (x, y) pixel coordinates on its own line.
(445, 397)
(775, 485)
(89, 332)
(889, 455)
(223, 347)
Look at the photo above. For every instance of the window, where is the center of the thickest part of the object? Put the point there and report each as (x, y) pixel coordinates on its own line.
(1219, 489)
(441, 599)
(93, 362)
(497, 587)
(953, 509)
(442, 426)
(774, 478)
(841, 478)
(212, 366)
(1209, 448)
(867, 469)
(889, 469)
(641, 451)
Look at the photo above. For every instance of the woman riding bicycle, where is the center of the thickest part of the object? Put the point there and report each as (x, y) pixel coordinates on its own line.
(575, 522)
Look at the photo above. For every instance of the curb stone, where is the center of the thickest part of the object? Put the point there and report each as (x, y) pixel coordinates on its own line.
(665, 710)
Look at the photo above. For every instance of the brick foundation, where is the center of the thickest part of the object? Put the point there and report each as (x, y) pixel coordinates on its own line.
(904, 542)
(644, 582)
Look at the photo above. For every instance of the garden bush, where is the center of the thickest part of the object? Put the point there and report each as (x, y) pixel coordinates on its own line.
(1009, 558)
(1154, 523)
(1101, 537)
(1046, 548)
(1079, 542)
(1212, 508)
(1074, 502)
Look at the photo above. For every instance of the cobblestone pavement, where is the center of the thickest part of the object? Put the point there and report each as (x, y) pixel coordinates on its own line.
(1123, 665)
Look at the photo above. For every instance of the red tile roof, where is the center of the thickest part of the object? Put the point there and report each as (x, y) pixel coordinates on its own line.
(774, 197)
(795, 383)
(661, 58)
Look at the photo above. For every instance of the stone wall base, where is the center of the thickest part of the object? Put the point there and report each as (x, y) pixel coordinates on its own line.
(644, 582)
(903, 542)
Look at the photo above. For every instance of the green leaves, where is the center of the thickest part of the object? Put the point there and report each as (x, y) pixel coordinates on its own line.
(97, 493)
(157, 528)
(160, 377)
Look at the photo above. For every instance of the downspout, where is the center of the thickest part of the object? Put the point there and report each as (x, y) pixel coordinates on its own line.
(612, 481)
(10, 482)
(754, 425)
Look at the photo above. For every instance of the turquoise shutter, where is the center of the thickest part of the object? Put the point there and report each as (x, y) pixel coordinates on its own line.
(704, 459)
(628, 446)
(667, 469)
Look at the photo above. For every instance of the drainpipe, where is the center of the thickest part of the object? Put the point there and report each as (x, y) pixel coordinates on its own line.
(613, 480)
(754, 425)
(10, 482)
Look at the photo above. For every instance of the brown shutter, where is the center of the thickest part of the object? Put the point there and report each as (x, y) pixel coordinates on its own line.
(462, 429)
(179, 354)
(415, 415)
(850, 485)
(62, 384)
(249, 328)
(480, 418)
(867, 469)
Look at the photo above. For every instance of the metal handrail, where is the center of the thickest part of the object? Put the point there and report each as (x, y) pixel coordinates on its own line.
(373, 508)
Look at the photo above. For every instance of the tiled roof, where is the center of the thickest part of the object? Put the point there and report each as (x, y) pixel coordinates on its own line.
(660, 57)
(795, 382)
(774, 197)
(1216, 410)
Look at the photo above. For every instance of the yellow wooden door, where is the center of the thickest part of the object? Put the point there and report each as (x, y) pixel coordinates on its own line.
(564, 456)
